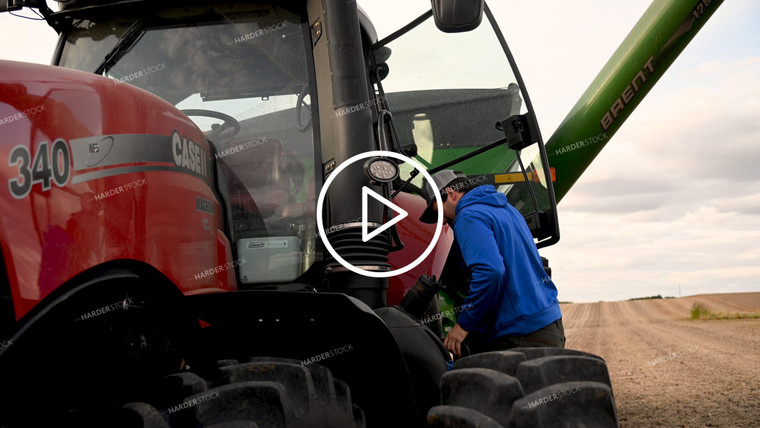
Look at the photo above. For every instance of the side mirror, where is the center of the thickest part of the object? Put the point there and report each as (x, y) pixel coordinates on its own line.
(455, 16)
(8, 5)
(11, 5)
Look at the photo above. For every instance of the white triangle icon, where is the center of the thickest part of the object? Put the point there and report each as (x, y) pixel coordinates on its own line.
(399, 214)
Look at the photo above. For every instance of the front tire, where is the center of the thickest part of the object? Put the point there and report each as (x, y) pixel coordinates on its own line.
(526, 387)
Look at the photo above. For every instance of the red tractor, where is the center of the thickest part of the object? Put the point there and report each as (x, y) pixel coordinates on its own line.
(159, 270)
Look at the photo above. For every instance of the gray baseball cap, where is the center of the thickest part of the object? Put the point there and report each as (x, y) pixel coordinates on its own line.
(441, 180)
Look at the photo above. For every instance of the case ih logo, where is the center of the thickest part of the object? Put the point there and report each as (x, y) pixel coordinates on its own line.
(188, 154)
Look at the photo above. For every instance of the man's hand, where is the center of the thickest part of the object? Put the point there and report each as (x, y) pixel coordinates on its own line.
(454, 340)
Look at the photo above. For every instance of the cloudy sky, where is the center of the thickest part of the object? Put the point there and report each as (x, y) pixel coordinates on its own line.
(674, 199)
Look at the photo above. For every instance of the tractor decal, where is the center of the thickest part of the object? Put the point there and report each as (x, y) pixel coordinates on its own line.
(50, 164)
(131, 153)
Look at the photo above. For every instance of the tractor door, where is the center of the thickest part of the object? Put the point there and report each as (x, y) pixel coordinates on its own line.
(458, 102)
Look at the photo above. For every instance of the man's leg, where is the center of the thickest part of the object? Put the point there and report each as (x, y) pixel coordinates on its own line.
(477, 344)
(552, 335)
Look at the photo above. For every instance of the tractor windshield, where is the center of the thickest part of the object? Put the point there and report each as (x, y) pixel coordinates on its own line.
(242, 73)
(447, 93)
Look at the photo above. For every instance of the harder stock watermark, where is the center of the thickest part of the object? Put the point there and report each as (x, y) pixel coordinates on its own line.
(552, 397)
(141, 73)
(23, 115)
(261, 32)
(329, 354)
(239, 148)
(338, 227)
(221, 268)
(673, 355)
(544, 280)
(113, 307)
(582, 143)
(6, 344)
(471, 182)
(446, 313)
(357, 107)
(680, 233)
(193, 402)
(121, 189)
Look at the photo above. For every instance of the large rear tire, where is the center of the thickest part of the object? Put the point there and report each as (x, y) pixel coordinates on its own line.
(526, 387)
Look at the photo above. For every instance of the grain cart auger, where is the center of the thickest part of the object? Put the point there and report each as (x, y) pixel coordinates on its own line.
(183, 236)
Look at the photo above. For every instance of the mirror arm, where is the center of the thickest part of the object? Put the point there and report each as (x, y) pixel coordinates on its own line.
(403, 30)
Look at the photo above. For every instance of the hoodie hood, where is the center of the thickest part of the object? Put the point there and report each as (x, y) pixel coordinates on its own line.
(486, 195)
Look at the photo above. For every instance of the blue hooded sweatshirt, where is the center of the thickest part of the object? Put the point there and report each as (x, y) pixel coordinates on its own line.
(510, 293)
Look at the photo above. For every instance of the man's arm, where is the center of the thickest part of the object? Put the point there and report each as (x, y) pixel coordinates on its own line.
(481, 254)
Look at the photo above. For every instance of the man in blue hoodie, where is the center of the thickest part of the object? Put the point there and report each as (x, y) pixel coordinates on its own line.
(512, 302)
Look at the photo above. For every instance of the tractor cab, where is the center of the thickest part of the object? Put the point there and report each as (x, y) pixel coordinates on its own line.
(254, 79)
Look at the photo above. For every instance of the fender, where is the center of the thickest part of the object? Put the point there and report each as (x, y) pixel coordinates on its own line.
(416, 237)
(121, 318)
(93, 170)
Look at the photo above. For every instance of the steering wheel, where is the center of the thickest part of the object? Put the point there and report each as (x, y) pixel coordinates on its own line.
(219, 133)
(300, 103)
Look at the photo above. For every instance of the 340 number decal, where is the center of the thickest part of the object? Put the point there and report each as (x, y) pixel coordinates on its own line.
(50, 165)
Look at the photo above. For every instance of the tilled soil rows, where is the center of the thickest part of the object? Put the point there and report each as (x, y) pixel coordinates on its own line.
(668, 370)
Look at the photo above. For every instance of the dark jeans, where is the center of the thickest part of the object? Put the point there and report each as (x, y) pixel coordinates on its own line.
(553, 335)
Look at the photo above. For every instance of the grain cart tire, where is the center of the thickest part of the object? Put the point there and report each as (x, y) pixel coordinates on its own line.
(587, 404)
(265, 392)
(526, 387)
(140, 414)
(531, 353)
(546, 371)
(359, 419)
(459, 417)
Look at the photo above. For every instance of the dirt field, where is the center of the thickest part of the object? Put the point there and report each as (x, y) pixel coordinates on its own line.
(670, 371)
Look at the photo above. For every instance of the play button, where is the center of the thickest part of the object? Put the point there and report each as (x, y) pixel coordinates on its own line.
(399, 215)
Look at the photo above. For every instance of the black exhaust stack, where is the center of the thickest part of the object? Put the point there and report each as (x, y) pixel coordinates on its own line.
(343, 93)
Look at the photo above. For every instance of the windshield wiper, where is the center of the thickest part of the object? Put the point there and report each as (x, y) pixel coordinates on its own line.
(123, 46)
(468, 155)
(445, 165)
